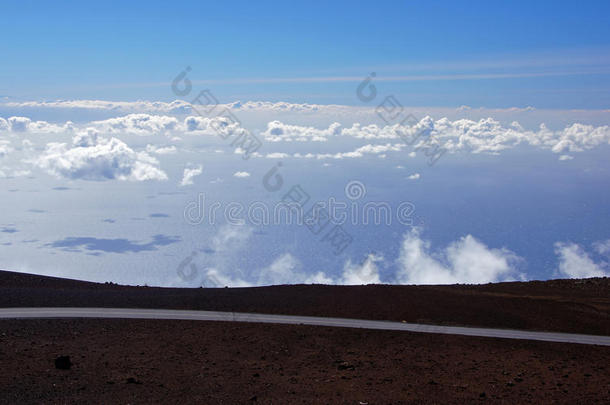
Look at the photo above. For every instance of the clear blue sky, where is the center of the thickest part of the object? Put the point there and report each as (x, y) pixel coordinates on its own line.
(555, 54)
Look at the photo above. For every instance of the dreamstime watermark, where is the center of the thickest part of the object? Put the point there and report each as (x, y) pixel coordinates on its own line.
(391, 111)
(316, 219)
(291, 210)
(226, 121)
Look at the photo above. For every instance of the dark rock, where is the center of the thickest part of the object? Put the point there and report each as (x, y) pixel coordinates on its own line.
(345, 366)
(63, 363)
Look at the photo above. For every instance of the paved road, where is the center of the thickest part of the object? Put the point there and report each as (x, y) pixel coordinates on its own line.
(126, 313)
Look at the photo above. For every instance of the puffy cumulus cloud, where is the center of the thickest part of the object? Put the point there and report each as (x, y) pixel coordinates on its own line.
(19, 124)
(214, 277)
(190, 172)
(134, 124)
(5, 148)
(287, 269)
(578, 137)
(241, 174)
(138, 124)
(86, 138)
(574, 262)
(91, 157)
(213, 126)
(277, 131)
(414, 176)
(365, 273)
(374, 131)
(283, 270)
(566, 157)
(464, 261)
(26, 125)
(486, 135)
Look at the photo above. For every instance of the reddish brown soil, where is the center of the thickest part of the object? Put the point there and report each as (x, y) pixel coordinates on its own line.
(126, 361)
(577, 306)
(138, 361)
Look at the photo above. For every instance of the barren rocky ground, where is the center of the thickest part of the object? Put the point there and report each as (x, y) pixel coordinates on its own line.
(143, 361)
(577, 306)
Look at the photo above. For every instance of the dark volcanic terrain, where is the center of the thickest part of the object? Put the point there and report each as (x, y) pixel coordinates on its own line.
(143, 361)
(576, 306)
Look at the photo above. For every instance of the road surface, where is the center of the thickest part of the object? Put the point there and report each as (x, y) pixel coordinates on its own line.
(127, 313)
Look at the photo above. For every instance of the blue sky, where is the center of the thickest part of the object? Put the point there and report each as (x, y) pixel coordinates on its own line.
(499, 173)
(130, 50)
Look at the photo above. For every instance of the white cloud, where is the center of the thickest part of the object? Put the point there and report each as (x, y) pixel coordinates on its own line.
(176, 106)
(566, 157)
(87, 138)
(276, 155)
(319, 278)
(574, 262)
(365, 273)
(190, 172)
(368, 149)
(5, 148)
(283, 270)
(486, 135)
(26, 125)
(95, 158)
(464, 261)
(277, 131)
(414, 176)
(282, 106)
(241, 174)
(161, 150)
(138, 124)
(287, 269)
(231, 238)
(19, 124)
(602, 247)
(217, 278)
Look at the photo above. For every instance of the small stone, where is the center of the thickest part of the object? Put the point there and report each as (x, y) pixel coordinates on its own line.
(63, 363)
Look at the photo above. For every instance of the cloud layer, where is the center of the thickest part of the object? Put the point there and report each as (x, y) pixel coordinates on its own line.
(91, 157)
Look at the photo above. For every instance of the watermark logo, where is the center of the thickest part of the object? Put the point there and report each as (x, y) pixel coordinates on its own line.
(355, 190)
(391, 111)
(297, 208)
